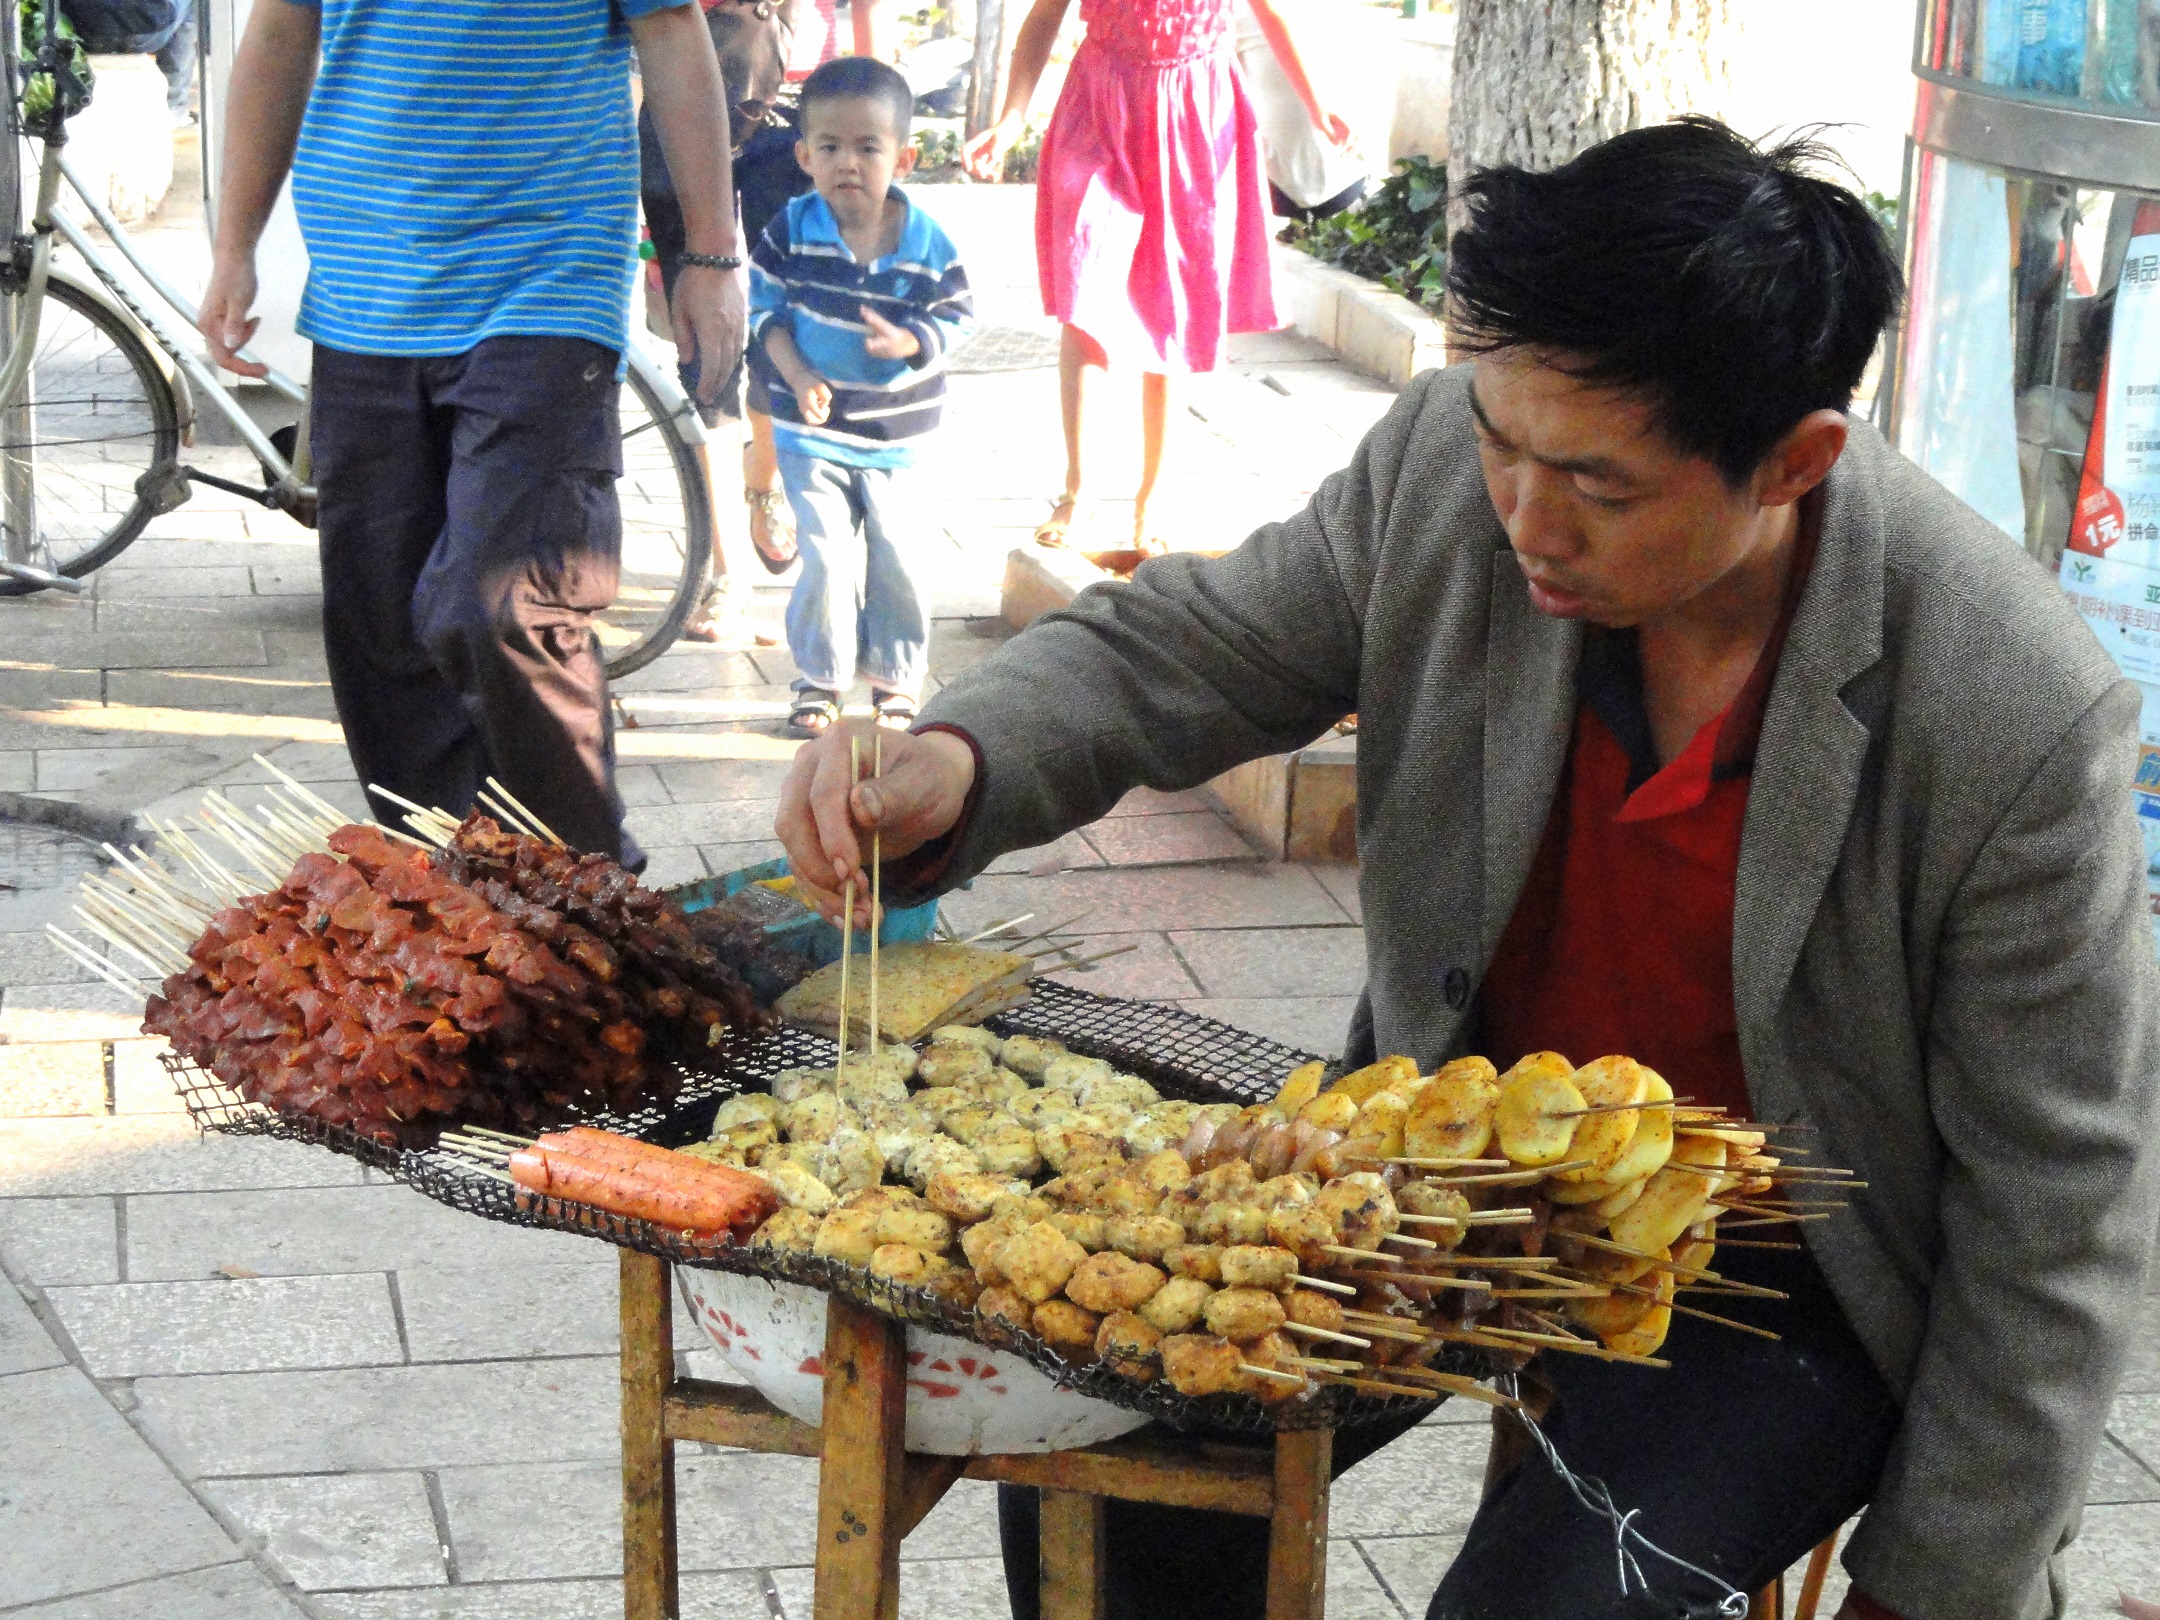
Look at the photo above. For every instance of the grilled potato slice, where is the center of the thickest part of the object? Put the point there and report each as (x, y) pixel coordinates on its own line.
(1359, 1084)
(1301, 1088)
(1531, 1094)
(1453, 1117)
(1673, 1200)
(1603, 1138)
(1652, 1143)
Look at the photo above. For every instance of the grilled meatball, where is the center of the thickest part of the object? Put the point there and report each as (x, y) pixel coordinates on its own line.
(925, 1229)
(1143, 1237)
(967, 1198)
(1201, 1260)
(1177, 1306)
(1248, 1265)
(967, 1035)
(952, 1065)
(743, 1110)
(849, 1235)
(1166, 1171)
(901, 1263)
(981, 1244)
(1200, 1364)
(1039, 1261)
(789, 1229)
(1111, 1282)
(1029, 1055)
(1223, 1221)
(1007, 1148)
(1067, 1328)
(1363, 1207)
(1243, 1313)
(1311, 1308)
(1002, 1309)
(1084, 1227)
(1128, 1343)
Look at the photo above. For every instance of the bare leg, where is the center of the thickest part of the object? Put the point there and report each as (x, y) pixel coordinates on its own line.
(1154, 434)
(1078, 354)
(760, 460)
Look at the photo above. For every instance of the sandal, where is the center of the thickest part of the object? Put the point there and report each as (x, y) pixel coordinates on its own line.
(772, 529)
(816, 711)
(1055, 531)
(894, 711)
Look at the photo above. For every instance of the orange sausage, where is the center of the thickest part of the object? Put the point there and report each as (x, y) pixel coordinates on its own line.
(664, 1187)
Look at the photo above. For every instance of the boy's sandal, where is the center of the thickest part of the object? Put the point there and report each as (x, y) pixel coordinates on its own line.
(772, 529)
(815, 712)
(1056, 530)
(894, 712)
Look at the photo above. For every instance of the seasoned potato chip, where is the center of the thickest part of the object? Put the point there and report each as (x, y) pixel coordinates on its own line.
(1531, 1095)
(1603, 1138)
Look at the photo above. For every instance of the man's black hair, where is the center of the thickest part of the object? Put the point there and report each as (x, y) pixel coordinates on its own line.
(861, 78)
(1729, 285)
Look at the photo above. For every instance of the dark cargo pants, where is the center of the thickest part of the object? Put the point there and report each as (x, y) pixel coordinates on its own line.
(469, 533)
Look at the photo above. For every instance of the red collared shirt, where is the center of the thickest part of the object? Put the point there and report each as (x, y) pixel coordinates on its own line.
(1622, 939)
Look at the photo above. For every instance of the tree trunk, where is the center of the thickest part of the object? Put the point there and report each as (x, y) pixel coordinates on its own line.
(1537, 81)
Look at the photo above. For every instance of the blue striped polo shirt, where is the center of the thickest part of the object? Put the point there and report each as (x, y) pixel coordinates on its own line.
(468, 169)
(803, 273)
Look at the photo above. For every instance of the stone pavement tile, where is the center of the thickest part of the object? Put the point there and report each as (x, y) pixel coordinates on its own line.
(93, 1011)
(516, 1600)
(2118, 1476)
(1151, 973)
(140, 1083)
(266, 613)
(1411, 1566)
(963, 1525)
(234, 1591)
(25, 1346)
(329, 1530)
(1142, 801)
(89, 1505)
(1199, 835)
(641, 785)
(731, 821)
(763, 707)
(154, 1153)
(481, 1313)
(670, 865)
(304, 579)
(60, 1240)
(18, 770)
(2135, 1421)
(230, 1325)
(127, 579)
(2142, 1376)
(195, 648)
(32, 958)
(1310, 1023)
(713, 780)
(1068, 854)
(1342, 882)
(2117, 1551)
(343, 795)
(384, 1418)
(721, 859)
(43, 687)
(300, 1231)
(1255, 895)
(1354, 1592)
(107, 770)
(1426, 1483)
(958, 644)
(683, 668)
(54, 1078)
(930, 1589)
(1275, 961)
(309, 762)
(205, 553)
(274, 689)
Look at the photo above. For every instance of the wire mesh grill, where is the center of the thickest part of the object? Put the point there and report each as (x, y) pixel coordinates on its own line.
(1181, 1053)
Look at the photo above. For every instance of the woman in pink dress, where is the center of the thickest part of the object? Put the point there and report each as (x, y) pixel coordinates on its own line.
(1151, 214)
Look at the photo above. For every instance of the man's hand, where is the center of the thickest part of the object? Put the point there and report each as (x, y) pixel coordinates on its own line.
(814, 399)
(710, 322)
(825, 826)
(887, 341)
(223, 319)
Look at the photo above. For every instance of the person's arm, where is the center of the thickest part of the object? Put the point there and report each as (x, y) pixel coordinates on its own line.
(863, 24)
(1277, 34)
(813, 394)
(943, 316)
(984, 156)
(2043, 1072)
(688, 99)
(272, 73)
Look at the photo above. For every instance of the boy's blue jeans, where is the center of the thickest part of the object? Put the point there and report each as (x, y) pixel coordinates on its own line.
(860, 605)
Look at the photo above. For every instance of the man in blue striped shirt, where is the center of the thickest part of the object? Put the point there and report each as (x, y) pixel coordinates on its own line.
(856, 295)
(465, 172)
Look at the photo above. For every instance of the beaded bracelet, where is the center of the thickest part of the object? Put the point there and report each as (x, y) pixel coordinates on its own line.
(712, 261)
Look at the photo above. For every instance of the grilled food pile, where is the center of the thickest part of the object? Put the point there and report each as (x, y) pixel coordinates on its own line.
(1338, 1235)
(500, 981)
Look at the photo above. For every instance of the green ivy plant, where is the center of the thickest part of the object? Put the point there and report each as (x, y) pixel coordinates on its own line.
(1397, 236)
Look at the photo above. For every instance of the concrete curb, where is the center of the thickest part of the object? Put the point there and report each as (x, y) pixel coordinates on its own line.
(1381, 333)
(63, 815)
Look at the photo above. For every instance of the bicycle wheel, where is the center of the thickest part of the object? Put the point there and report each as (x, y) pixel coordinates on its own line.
(97, 416)
(667, 523)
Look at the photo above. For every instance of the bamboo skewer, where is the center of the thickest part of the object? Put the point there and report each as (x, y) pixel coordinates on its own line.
(1507, 1178)
(97, 964)
(1424, 1279)
(1323, 1284)
(1450, 1164)
(877, 891)
(847, 929)
(1407, 1239)
(1455, 1384)
(516, 804)
(1270, 1372)
(1330, 1334)
(1617, 1108)
(998, 928)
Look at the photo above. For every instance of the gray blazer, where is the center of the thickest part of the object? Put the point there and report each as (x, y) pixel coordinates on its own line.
(1942, 955)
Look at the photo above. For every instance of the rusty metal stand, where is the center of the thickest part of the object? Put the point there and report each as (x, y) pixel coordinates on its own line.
(871, 1492)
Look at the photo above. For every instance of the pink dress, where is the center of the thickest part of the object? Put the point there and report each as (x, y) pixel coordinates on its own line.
(1151, 216)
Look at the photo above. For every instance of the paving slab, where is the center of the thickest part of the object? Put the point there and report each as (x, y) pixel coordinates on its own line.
(274, 689)
(669, 866)
(52, 1079)
(730, 821)
(60, 1240)
(1255, 895)
(711, 781)
(18, 770)
(298, 1230)
(683, 668)
(1410, 1567)
(44, 686)
(734, 1595)
(1311, 1023)
(1067, 854)
(2142, 1376)
(1150, 971)
(30, 957)
(327, 1530)
(88, 1504)
(721, 859)
(479, 1313)
(25, 1346)
(150, 1154)
(129, 578)
(1426, 1483)
(384, 1418)
(1268, 962)
(2135, 1424)
(2117, 1552)
(249, 1324)
(91, 1011)
(139, 1082)
(138, 649)
(232, 1591)
(1341, 882)
(1169, 840)
(930, 1589)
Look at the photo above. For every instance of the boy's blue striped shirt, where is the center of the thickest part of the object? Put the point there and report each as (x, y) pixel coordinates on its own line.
(803, 273)
(468, 169)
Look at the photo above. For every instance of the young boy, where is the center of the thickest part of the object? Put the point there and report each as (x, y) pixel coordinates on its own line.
(856, 295)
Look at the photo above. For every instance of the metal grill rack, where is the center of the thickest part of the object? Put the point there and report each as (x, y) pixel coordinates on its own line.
(1182, 1053)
